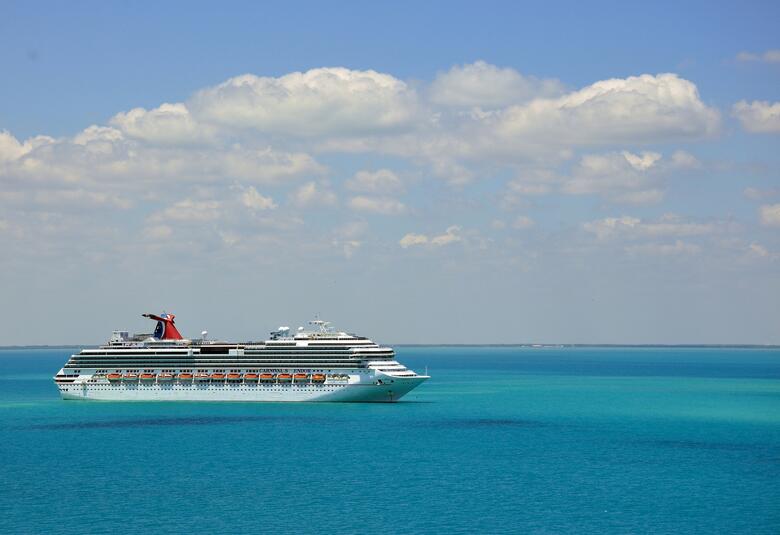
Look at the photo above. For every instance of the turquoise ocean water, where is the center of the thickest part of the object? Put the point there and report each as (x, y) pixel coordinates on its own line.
(500, 440)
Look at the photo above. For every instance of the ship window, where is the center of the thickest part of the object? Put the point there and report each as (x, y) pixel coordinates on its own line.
(206, 350)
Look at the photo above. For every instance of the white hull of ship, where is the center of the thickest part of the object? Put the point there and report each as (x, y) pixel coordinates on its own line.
(376, 388)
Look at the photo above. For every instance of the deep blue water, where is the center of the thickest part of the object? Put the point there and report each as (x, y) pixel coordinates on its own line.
(500, 440)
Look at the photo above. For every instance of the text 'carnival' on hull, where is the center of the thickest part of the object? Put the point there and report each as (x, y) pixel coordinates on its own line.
(310, 365)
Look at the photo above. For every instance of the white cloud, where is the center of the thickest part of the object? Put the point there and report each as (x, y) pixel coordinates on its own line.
(664, 249)
(637, 109)
(168, 123)
(254, 200)
(609, 226)
(770, 215)
(381, 181)
(411, 239)
(378, 205)
(623, 176)
(10, 147)
(104, 156)
(483, 85)
(758, 116)
(770, 56)
(632, 227)
(313, 194)
(458, 146)
(189, 211)
(332, 101)
(643, 161)
(451, 235)
(684, 160)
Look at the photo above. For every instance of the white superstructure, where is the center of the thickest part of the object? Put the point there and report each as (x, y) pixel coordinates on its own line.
(314, 365)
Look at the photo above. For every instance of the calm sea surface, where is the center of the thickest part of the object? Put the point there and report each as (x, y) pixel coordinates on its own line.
(500, 440)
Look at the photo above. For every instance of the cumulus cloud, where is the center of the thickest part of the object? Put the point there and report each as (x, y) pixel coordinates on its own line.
(334, 101)
(760, 117)
(259, 133)
(11, 148)
(104, 156)
(637, 109)
(619, 177)
(623, 176)
(411, 239)
(313, 194)
(251, 198)
(378, 205)
(451, 235)
(769, 56)
(770, 215)
(168, 123)
(380, 181)
(481, 84)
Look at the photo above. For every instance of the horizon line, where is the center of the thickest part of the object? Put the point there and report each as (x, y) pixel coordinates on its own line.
(518, 344)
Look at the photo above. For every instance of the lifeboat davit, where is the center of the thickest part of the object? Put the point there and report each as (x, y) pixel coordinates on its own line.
(234, 376)
(148, 376)
(266, 377)
(130, 377)
(250, 377)
(318, 378)
(166, 377)
(217, 376)
(203, 377)
(114, 376)
(185, 377)
(301, 376)
(284, 377)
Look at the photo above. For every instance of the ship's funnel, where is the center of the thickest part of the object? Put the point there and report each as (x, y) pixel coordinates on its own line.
(165, 330)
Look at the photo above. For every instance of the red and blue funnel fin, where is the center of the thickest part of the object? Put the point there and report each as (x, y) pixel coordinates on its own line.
(165, 329)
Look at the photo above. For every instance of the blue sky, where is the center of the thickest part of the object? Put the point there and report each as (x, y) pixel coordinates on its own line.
(444, 172)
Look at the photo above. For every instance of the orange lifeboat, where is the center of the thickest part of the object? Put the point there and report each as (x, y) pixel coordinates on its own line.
(234, 376)
(301, 376)
(284, 377)
(250, 377)
(266, 377)
(217, 376)
(114, 376)
(148, 376)
(185, 377)
(166, 377)
(130, 377)
(318, 378)
(203, 377)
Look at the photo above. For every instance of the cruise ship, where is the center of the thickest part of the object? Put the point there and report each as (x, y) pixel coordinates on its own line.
(318, 364)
